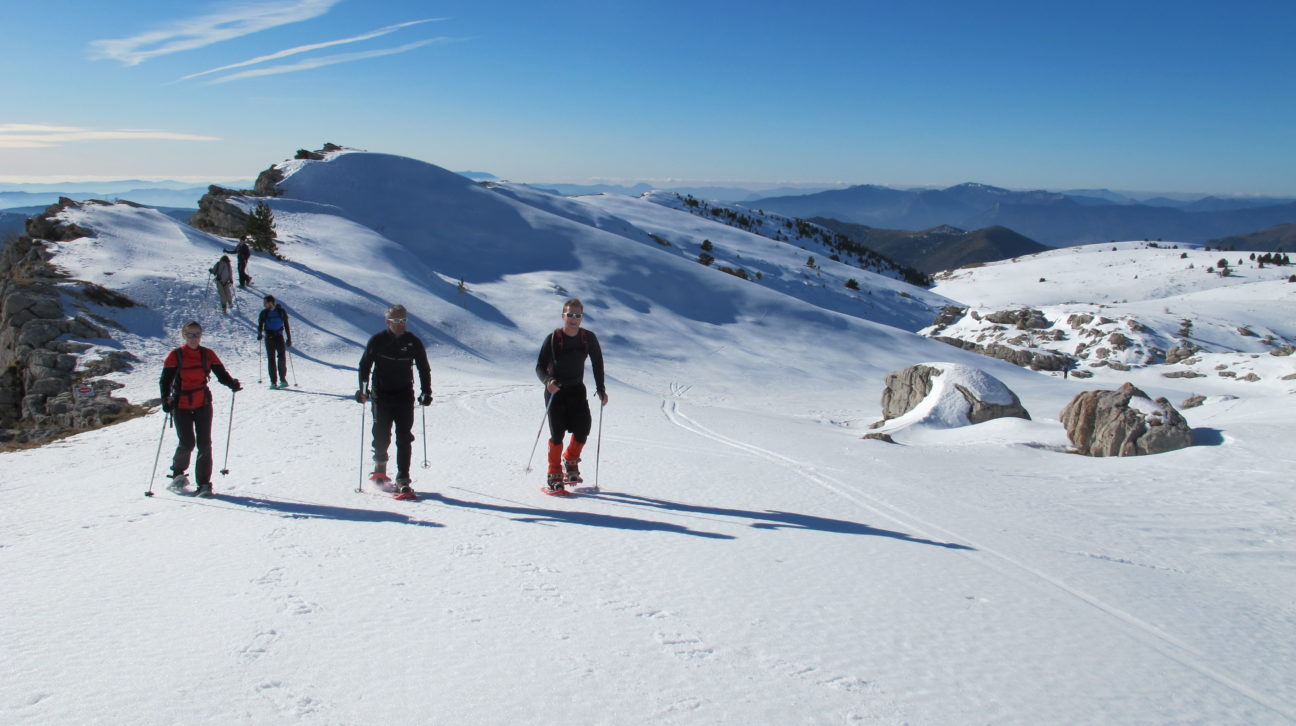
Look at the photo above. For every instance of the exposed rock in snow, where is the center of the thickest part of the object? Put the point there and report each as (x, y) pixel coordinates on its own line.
(1124, 422)
(945, 395)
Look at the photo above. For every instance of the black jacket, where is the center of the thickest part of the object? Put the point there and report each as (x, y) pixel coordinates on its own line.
(243, 252)
(392, 361)
(562, 359)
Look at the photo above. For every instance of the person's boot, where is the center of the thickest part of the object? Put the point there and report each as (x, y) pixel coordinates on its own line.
(571, 461)
(555, 481)
(178, 482)
(571, 471)
(204, 491)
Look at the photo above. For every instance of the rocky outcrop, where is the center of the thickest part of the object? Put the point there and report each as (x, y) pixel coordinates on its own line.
(1124, 422)
(1035, 359)
(1181, 352)
(218, 215)
(43, 395)
(968, 396)
(1022, 319)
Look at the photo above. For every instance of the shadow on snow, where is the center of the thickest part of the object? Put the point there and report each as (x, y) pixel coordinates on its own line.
(306, 510)
(773, 519)
(590, 519)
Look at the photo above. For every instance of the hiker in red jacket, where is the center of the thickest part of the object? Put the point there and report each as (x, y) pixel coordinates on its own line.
(187, 398)
(561, 367)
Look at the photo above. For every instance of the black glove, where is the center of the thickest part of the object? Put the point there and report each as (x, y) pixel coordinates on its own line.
(360, 396)
(236, 386)
(167, 405)
(425, 399)
(258, 336)
(289, 343)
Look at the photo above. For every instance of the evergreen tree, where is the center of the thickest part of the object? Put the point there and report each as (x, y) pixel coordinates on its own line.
(260, 227)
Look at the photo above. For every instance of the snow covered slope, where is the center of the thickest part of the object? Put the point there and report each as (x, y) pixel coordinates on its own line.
(749, 559)
(1159, 309)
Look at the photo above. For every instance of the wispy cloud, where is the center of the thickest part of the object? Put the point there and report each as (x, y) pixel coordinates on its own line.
(328, 60)
(240, 20)
(41, 136)
(312, 47)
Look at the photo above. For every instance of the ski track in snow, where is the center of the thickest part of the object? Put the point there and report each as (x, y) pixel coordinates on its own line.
(1150, 635)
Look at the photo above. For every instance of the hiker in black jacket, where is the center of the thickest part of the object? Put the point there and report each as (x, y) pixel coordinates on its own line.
(391, 356)
(244, 251)
(273, 325)
(561, 367)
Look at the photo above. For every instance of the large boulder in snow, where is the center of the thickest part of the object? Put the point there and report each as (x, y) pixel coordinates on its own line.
(1124, 422)
(946, 395)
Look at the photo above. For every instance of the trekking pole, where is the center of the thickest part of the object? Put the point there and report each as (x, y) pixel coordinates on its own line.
(293, 364)
(598, 446)
(538, 432)
(228, 432)
(165, 420)
(426, 465)
(363, 405)
(258, 361)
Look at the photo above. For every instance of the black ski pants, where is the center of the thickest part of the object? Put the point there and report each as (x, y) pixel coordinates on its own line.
(569, 411)
(193, 428)
(276, 357)
(393, 411)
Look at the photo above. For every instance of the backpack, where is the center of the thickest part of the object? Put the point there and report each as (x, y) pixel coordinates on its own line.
(275, 314)
(558, 340)
(177, 386)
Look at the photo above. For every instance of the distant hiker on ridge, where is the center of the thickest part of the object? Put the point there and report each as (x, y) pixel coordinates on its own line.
(224, 274)
(273, 325)
(187, 398)
(561, 367)
(392, 355)
(244, 251)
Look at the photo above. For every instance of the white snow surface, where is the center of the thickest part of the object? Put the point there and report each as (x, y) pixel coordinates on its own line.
(749, 559)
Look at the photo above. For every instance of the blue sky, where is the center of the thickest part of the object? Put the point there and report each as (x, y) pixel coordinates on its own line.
(1161, 96)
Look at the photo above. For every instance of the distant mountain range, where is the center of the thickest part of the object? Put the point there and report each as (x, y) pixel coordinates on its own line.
(1281, 238)
(149, 196)
(1054, 218)
(938, 248)
(709, 193)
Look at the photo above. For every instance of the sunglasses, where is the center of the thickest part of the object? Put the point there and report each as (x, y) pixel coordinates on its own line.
(395, 320)
(578, 316)
(193, 335)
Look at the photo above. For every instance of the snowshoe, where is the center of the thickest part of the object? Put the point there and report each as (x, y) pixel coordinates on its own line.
(204, 491)
(405, 493)
(403, 489)
(554, 485)
(178, 483)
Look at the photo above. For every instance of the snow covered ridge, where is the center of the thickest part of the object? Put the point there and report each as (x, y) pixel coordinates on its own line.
(806, 235)
(1144, 305)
